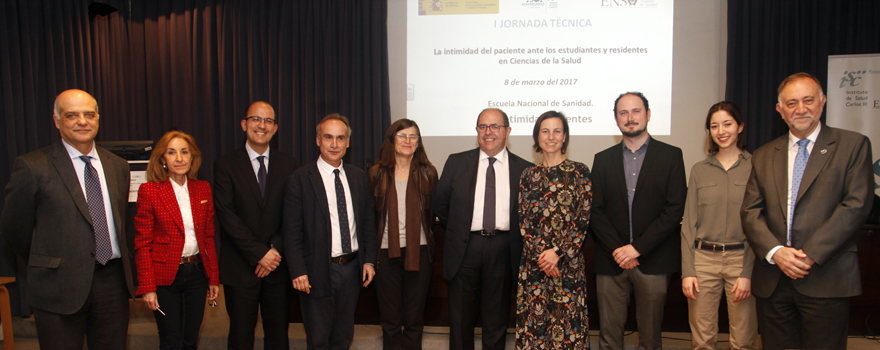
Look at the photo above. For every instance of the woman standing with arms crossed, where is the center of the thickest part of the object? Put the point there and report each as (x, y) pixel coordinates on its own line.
(554, 207)
(174, 242)
(715, 256)
(403, 184)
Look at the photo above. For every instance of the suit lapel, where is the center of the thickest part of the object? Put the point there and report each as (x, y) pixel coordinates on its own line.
(169, 200)
(822, 151)
(110, 174)
(780, 172)
(472, 166)
(320, 193)
(64, 166)
(354, 188)
(617, 176)
(246, 172)
(648, 166)
(273, 177)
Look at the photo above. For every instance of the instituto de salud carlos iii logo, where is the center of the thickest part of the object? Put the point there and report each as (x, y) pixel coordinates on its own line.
(851, 78)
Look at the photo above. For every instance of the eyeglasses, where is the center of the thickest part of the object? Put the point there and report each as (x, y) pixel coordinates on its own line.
(259, 120)
(494, 127)
(411, 137)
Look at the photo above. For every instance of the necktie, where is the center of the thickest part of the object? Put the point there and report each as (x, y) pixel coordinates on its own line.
(342, 214)
(489, 199)
(95, 199)
(797, 173)
(261, 176)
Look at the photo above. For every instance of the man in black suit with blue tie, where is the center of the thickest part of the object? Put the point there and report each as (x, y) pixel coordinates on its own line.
(248, 197)
(329, 237)
(808, 196)
(476, 200)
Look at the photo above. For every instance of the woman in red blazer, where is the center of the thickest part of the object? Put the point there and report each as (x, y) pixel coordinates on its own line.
(174, 243)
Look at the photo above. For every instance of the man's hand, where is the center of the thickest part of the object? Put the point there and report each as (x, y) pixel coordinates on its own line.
(548, 260)
(261, 271)
(742, 289)
(792, 262)
(689, 285)
(626, 257)
(368, 274)
(271, 260)
(301, 284)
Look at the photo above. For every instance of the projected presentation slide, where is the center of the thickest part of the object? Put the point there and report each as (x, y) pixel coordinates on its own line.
(527, 57)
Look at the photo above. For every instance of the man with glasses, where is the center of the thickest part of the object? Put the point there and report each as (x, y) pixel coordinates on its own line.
(481, 255)
(248, 198)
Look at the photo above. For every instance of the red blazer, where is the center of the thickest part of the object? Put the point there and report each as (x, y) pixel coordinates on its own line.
(159, 239)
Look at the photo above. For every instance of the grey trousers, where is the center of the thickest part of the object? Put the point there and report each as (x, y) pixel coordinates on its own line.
(613, 293)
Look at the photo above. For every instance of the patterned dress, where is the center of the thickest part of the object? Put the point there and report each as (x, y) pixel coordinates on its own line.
(554, 209)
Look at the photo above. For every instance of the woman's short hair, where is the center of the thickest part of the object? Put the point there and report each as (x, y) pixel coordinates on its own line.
(156, 172)
(732, 109)
(537, 130)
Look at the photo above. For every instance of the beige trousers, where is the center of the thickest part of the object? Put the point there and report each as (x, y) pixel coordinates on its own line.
(716, 273)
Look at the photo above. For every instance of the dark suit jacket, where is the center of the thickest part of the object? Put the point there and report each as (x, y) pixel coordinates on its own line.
(454, 206)
(161, 235)
(306, 224)
(250, 225)
(833, 202)
(658, 206)
(46, 222)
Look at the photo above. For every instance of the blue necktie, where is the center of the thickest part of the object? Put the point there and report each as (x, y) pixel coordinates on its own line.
(95, 199)
(342, 214)
(797, 173)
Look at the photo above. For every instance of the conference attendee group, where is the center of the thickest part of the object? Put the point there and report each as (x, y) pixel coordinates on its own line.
(773, 231)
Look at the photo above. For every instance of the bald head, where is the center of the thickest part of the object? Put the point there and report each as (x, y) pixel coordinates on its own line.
(68, 96)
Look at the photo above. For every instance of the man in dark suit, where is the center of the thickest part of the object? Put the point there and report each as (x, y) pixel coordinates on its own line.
(248, 198)
(809, 193)
(639, 191)
(476, 201)
(65, 217)
(329, 237)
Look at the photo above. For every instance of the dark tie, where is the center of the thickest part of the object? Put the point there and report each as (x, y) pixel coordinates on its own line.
(261, 176)
(797, 173)
(95, 199)
(342, 213)
(489, 199)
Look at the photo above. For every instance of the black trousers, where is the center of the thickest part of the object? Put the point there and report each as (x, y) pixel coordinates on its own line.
(481, 287)
(402, 295)
(329, 320)
(102, 321)
(183, 303)
(790, 320)
(272, 300)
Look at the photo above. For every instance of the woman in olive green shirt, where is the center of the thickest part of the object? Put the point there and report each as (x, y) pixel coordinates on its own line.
(715, 256)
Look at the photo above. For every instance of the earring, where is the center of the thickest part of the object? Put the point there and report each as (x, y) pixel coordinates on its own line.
(165, 166)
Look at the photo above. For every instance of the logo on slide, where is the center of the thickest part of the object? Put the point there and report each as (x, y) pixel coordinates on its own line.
(851, 78)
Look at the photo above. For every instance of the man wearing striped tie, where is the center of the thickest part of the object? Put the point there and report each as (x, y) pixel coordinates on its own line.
(65, 217)
(809, 193)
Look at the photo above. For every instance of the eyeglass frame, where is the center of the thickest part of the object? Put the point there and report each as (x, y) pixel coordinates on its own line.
(410, 137)
(494, 127)
(258, 120)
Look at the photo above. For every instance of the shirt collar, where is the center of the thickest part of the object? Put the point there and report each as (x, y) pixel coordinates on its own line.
(178, 189)
(252, 155)
(500, 157)
(642, 147)
(792, 140)
(74, 153)
(324, 166)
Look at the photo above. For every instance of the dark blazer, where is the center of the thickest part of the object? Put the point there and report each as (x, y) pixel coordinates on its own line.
(833, 202)
(46, 222)
(454, 206)
(160, 235)
(306, 224)
(658, 206)
(250, 225)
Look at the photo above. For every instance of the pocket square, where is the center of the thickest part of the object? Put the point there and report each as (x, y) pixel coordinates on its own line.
(204, 201)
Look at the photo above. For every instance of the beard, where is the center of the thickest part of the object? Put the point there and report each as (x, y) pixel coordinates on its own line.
(633, 133)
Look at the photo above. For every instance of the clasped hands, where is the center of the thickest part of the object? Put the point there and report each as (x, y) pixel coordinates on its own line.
(794, 263)
(547, 262)
(268, 263)
(626, 257)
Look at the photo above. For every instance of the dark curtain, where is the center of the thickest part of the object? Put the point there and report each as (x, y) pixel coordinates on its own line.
(769, 40)
(195, 65)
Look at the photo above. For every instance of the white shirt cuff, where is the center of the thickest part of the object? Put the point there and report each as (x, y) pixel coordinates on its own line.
(769, 256)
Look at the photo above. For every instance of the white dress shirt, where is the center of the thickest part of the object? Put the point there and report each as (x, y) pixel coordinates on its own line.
(80, 167)
(190, 244)
(253, 155)
(329, 178)
(793, 149)
(502, 191)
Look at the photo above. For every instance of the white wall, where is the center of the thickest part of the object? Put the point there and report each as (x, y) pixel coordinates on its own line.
(698, 79)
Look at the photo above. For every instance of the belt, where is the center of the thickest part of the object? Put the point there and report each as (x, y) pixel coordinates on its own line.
(484, 233)
(189, 259)
(344, 259)
(718, 247)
